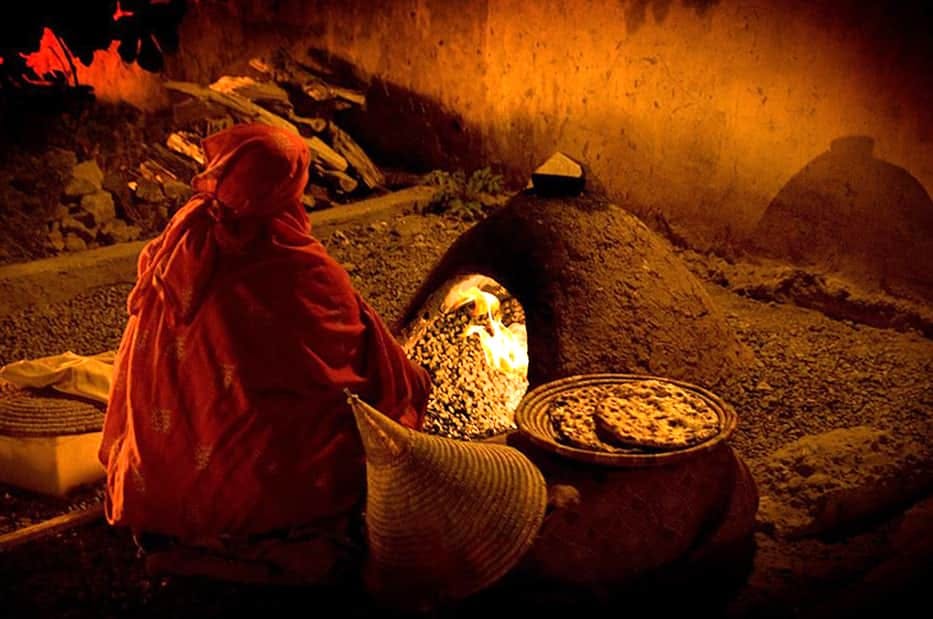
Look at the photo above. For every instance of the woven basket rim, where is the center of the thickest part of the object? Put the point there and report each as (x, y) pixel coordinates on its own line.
(533, 422)
(427, 478)
(27, 412)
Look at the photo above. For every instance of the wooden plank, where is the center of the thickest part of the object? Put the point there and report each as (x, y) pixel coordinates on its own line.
(179, 165)
(283, 68)
(186, 145)
(326, 154)
(317, 125)
(341, 181)
(154, 171)
(250, 88)
(250, 111)
(50, 527)
(371, 176)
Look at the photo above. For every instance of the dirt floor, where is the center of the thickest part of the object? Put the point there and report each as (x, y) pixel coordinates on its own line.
(813, 375)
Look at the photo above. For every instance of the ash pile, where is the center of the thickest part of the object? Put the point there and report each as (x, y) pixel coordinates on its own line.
(475, 393)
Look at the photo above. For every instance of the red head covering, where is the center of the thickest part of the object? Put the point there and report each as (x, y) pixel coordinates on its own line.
(255, 175)
(254, 170)
(227, 412)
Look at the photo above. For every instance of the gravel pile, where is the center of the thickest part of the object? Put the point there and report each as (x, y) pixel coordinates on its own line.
(815, 374)
(388, 261)
(19, 508)
(86, 324)
(470, 399)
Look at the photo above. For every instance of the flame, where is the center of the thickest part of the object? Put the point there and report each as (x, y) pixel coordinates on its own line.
(505, 348)
(111, 78)
(50, 57)
(119, 13)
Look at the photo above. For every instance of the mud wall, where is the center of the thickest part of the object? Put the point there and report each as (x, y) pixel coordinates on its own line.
(698, 109)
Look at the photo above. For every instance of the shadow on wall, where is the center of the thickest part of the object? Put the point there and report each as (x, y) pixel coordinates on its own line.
(637, 11)
(412, 131)
(853, 214)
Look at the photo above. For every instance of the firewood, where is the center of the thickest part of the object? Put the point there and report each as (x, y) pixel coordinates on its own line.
(48, 528)
(320, 196)
(316, 125)
(180, 167)
(191, 112)
(265, 94)
(249, 111)
(249, 88)
(319, 90)
(261, 65)
(353, 153)
(283, 68)
(327, 154)
(214, 125)
(239, 105)
(341, 181)
(154, 171)
(187, 145)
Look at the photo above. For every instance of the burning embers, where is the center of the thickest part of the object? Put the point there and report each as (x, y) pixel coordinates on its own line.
(505, 347)
(473, 343)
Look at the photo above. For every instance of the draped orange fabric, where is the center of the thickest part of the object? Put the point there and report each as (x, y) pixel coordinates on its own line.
(227, 413)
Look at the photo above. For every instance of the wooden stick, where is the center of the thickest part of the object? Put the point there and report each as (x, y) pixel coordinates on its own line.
(178, 165)
(50, 527)
(351, 151)
(317, 125)
(249, 110)
(184, 145)
(328, 155)
(342, 181)
(251, 89)
(156, 172)
(282, 67)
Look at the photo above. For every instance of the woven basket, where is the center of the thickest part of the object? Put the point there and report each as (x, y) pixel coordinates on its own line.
(43, 413)
(533, 421)
(444, 518)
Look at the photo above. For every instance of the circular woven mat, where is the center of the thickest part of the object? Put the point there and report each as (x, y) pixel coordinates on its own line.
(534, 422)
(43, 412)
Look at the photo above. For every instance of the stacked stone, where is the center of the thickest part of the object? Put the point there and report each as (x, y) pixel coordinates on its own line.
(87, 216)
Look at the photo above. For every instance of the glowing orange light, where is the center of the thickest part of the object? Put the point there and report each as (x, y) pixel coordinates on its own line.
(505, 348)
(120, 13)
(50, 57)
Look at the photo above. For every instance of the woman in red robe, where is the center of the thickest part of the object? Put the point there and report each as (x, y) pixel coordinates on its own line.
(227, 415)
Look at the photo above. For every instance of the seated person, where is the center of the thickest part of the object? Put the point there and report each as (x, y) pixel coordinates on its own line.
(227, 420)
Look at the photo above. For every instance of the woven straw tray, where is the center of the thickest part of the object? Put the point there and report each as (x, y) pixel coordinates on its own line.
(533, 421)
(43, 413)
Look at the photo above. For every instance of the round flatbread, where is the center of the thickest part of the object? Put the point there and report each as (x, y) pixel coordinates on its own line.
(655, 414)
(573, 417)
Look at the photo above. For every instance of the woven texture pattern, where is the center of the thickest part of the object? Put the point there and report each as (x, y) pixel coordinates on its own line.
(43, 413)
(444, 518)
(534, 422)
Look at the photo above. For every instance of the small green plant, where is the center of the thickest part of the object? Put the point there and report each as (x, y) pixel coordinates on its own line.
(461, 197)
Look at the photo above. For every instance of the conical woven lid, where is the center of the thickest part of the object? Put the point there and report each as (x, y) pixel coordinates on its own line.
(444, 518)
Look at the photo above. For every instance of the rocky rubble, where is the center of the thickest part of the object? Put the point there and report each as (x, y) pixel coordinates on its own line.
(87, 216)
(813, 375)
(825, 481)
